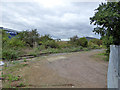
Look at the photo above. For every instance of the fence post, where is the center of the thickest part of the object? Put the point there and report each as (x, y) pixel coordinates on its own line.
(119, 67)
(113, 76)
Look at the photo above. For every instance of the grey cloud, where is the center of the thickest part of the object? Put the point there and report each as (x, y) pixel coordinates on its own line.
(60, 22)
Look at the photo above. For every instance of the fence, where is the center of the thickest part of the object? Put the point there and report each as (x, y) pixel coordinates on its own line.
(113, 76)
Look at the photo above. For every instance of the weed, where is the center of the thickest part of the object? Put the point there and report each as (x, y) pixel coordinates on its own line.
(5, 65)
(25, 60)
(12, 78)
(3, 75)
(85, 49)
(25, 65)
(101, 54)
(21, 85)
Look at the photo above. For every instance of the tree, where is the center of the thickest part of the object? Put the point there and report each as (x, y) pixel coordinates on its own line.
(82, 42)
(107, 19)
(45, 38)
(73, 40)
(29, 37)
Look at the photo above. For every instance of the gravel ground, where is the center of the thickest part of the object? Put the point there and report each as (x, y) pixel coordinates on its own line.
(71, 70)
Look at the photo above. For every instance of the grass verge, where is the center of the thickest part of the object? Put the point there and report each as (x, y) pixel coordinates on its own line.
(10, 75)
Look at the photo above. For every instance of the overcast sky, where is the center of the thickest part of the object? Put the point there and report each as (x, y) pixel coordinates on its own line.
(59, 18)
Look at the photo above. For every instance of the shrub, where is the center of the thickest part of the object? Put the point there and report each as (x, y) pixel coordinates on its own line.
(51, 44)
(4, 36)
(41, 47)
(15, 43)
(85, 49)
(12, 78)
(25, 60)
(35, 52)
(96, 41)
(74, 49)
(44, 38)
(11, 47)
(107, 41)
(93, 46)
(82, 42)
(90, 44)
(64, 44)
(52, 50)
(73, 40)
(101, 46)
(10, 54)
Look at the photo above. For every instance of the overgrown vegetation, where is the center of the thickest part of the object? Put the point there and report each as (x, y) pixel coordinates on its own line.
(11, 48)
(78, 41)
(10, 75)
(31, 43)
(101, 56)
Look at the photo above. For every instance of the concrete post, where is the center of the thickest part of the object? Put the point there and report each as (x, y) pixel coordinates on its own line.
(113, 77)
(119, 67)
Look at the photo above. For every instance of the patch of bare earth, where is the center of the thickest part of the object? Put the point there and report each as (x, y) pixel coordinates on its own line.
(78, 70)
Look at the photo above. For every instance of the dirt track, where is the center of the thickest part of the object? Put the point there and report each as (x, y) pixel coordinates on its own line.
(78, 70)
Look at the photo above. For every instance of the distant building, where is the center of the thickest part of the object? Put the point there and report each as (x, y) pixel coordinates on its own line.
(12, 32)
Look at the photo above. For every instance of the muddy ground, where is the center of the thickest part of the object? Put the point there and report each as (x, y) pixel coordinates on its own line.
(72, 70)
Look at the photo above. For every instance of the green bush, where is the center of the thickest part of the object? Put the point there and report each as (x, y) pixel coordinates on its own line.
(11, 48)
(41, 47)
(12, 78)
(29, 37)
(96, 41)
(93, 46)
(75, 49)
(44, 38)
(15, 43)
(4, 36)
(85, 49)
(90, 44)
(64, 44)
(51, 44)
(82, 42)
(101, 46)
(73, 40)
(52, 50)
(10, 54)
(107, 41)
(35, 52)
